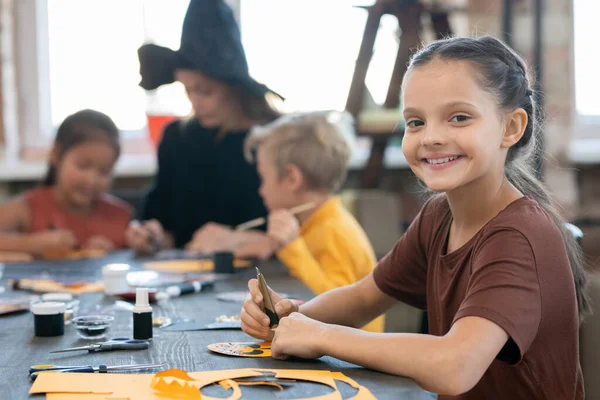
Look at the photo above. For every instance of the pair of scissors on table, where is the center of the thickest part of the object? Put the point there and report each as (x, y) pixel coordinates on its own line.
(112, 344)
(36, 369)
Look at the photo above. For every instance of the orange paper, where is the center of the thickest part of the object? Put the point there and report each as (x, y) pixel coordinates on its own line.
(73, 254)
(50, 286)
(363, 392)
(204, 265)
(242, 349)
(175, 383)
(15, 256)
(85, 386)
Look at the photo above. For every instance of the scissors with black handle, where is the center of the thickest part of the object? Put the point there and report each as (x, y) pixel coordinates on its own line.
(36, 369)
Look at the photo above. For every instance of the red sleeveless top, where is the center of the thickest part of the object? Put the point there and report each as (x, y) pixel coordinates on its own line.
(109, 217)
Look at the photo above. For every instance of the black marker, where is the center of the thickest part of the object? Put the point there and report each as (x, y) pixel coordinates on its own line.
(187, 287)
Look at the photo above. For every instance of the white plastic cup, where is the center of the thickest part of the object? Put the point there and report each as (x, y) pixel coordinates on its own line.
(115, 278)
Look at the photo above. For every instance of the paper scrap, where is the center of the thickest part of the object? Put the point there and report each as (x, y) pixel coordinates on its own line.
(15, 256)
(243, 349)
(74, 254)
(51, 286)
(201, 265)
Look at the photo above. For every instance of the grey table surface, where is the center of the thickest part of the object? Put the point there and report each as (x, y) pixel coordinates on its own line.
(19, 348)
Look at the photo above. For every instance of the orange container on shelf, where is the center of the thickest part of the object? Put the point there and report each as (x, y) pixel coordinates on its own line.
(156, 126)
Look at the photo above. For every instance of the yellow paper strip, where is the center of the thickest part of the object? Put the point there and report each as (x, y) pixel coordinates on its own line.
(190, 265)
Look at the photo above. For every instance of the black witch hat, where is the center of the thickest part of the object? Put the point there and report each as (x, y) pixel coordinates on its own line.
(210, 43)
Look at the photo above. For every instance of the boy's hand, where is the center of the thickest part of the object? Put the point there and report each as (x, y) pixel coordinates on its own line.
(212, 237)
(283, 227)
(99, 243)
(254, 320)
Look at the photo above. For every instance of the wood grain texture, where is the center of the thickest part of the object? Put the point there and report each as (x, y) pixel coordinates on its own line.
(19, 348)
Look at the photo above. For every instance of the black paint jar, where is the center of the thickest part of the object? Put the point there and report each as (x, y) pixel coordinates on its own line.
(223, 263)
(48, 318)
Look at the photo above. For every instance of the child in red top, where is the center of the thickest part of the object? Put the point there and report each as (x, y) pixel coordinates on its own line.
(72, 209)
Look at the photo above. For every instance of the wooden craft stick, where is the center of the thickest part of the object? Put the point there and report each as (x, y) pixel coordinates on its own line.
(261, 221)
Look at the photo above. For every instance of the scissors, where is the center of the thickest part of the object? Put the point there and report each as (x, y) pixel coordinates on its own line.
(36, 369)
(119, 343)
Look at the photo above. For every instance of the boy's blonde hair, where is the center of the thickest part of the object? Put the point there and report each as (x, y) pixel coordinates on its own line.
(318, 143)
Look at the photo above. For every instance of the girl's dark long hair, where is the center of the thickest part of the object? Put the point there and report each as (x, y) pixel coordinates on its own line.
(504, 73)
(80, 127)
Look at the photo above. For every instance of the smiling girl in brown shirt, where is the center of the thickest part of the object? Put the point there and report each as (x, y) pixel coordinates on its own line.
(489, 259)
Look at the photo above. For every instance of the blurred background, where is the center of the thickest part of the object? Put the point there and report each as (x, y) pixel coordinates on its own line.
(59, 56)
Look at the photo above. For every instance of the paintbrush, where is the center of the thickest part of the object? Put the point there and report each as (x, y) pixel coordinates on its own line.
(261, 221)
(267, 301)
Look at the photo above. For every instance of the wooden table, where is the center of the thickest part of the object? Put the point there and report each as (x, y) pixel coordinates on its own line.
(19, 348)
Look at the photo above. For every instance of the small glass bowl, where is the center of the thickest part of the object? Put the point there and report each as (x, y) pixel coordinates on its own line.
(92, 326)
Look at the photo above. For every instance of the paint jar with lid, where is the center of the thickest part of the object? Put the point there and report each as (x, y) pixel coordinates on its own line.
(48, 318)
(115, 278)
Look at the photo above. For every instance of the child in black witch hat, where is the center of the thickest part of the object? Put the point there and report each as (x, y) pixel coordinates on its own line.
(202, 173)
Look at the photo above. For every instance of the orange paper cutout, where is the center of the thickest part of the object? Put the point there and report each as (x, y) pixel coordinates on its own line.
(50, 286)
(204, 265)
(250, 383)
(230, 384)
(84, 386)
(178, 387)
(242, 349)
(15, 256)
(362, 394)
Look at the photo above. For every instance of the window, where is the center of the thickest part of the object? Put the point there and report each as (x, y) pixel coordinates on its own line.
(86, 57)
(587, 65)
(306, 49)
(75, 54)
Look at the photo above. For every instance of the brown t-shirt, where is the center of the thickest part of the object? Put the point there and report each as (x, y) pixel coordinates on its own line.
(514, 272)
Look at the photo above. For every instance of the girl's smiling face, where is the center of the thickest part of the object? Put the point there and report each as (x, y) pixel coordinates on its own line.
(454, 128)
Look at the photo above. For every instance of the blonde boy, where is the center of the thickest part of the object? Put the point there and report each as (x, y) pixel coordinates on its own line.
(302, 159)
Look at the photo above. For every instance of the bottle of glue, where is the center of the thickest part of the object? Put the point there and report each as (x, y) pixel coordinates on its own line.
(142, 315)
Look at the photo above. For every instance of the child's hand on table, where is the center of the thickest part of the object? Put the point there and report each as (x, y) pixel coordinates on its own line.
(145, 237)
(212, 237)
(99, 242)
(52, 240)
(254, 320)
(283, 227)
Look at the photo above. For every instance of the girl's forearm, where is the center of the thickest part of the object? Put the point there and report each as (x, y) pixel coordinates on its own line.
(426, 359)
(354, 305)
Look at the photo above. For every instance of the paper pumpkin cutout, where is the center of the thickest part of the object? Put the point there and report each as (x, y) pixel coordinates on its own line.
(243, 349)
(201, 265)
(175, 384)
(84, 386)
